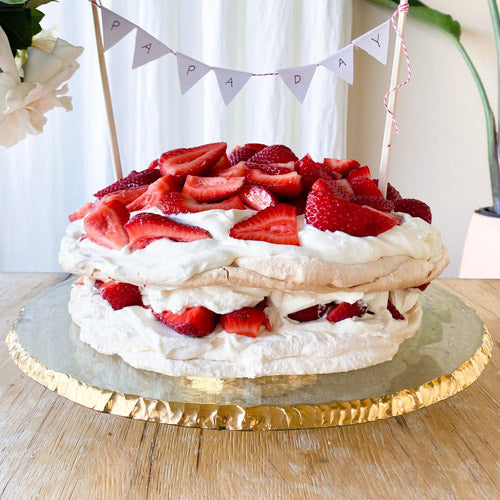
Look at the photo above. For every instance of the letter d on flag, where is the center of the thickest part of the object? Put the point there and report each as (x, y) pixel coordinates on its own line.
(298, 79)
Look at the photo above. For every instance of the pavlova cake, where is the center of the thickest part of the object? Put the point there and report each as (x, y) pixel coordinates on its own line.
(249, 264)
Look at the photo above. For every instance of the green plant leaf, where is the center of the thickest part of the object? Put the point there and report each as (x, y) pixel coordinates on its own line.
(36, 17)
(13, 2)
(17, 26)
(34, 4)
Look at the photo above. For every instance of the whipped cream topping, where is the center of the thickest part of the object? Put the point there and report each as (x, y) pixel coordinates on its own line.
(290, 348)
(170, 262)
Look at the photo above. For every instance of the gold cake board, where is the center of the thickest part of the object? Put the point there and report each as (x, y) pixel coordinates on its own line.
(445, 357)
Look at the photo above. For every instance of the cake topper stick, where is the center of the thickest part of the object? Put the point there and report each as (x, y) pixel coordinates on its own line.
(391, 96)
(107, 95)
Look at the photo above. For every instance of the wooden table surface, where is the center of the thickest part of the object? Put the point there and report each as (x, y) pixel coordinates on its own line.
(51, 448)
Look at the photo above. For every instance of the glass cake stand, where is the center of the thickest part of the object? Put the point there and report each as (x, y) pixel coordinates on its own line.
(444, 357)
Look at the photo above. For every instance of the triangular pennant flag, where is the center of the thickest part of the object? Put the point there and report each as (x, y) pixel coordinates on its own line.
(114, 27)
(230, 82)
(190, 71)
(342, 63)
(375, 42)
(298, 79)
(147, 48)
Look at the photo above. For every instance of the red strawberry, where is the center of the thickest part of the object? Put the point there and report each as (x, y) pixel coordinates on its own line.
(257, 197)
(276, 224)
(341, 188)
(180, 203)
(299, 203)
(344, 310)
(326, 211)
(246, 321)
(415, 208)
(343, 167)
(120, 295)
(238, 170)
(193, 321)
(211, 188)
(273, 168)
(244, 153)
(144, 228)
(394, 312)
(104, 224)
(222, 164)
(311, 171)
(310, 314)
(285, 185)
(274, 154)
(392, 192)
(262, 304)
(125, 196)
(364, 186)
(423, 287)
(375, 202)
(155, 191)
(359, 172)
(81, 212)
(154, 164)
(133, 180)
(194, 161)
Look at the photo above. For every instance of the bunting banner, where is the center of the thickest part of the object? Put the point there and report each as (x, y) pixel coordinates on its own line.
(190, 71)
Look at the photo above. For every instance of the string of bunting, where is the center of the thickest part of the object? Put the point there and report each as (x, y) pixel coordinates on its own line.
(298, 79)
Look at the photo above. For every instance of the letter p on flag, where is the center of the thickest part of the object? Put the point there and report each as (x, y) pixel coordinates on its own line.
(298, 79)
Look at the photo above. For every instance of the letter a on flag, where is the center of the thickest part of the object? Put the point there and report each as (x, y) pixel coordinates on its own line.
(230, 82)
(114, 27)
(147, 48)
(342, 63)
(190, 71)
(375, 42)
(298, 79)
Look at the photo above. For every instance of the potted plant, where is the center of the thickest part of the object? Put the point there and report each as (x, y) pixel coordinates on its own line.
(483, 238)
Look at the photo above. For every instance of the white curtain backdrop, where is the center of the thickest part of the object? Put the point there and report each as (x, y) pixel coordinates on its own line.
(48, 176)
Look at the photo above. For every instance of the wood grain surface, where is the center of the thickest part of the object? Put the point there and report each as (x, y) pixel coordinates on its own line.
(51, 448)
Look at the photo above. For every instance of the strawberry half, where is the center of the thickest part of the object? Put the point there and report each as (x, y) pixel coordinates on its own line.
(394, 312)
(375, 202)
(309, 314)
(311, 171)
(343, 167)
(125, 196)
(285, 185)
(415, 208)
(392, 192)
(134, 179)
(144, 228)
(257, 197)
(238, 170)
(244, 153)
(327, 212)
(104, 224)
(344, 310)
(211, 188)
(120, 295)
(276, 224)
(155, 191)
(193, 321)
(274, 154)
(273, 168)
(359, 172)
(222, 164)
(154, 164)
(81, 212)
(341, 188)
(364, 186)
(194, 161)
(180, 203)
(246, 321)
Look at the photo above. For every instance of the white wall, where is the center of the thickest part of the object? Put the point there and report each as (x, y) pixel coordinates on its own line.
(440, 155)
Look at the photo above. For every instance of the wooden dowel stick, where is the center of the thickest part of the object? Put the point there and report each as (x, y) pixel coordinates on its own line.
(107, 96)
(389, 124)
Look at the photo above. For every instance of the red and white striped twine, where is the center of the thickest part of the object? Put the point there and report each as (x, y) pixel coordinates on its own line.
(399, 10)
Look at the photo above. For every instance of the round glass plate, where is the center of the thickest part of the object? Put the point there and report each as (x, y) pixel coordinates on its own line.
(445, 356)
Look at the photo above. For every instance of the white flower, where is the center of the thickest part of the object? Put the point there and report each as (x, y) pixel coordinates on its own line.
(23, 104)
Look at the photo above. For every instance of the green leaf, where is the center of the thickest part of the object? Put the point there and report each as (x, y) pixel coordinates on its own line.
(13, 2)
(34, 4)
(17, 26)
(36, 17)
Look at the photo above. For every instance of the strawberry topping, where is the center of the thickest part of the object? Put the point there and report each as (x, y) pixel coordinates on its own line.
(344, 310)
(81, 212)
(341, 188)
(394, 312)
(238, 170)
(180, 203)
(120, 295)
(415, 208)
(273, 168)
(285, 185)
(193, 321)
(309, 314)
(125, 196)
(276, 224)
(274, 154)
(155, 191)
(359, 172)
(246, 321)
(343, 167)
(134, 179)
(244, 153)
(375, 202)
(364, 186)
(257, 197)
(311, 171)
(211, 188)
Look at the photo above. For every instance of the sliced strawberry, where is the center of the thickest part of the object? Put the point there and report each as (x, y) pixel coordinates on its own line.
(193, 321)
(415, 208)
(274, 154)
(81, 212)
(285, 185)
(343, 167)
(328, 212)
(155, 191)
(392, 192)
(104, 224)
(246, 321)
(148, 226)
(120, 295)
(423, 287)
(194, 161)
(273, 168)
(222, 164)
(257, 197)
(359, 172)
(310, 314)
(394, 312)
(311, 171)
(244, 153)
(299, 203)
(262, 304)
(211, 188)
(180, 203)
(125, 196)
(154, 164)
(364, 186)
(134, 179)
(344, 310)
(375, 202)
(276, 224)
(238, 170)
(341, 188)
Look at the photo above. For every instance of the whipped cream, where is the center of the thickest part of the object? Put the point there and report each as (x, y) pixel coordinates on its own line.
(170, 262)
(290, 348)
